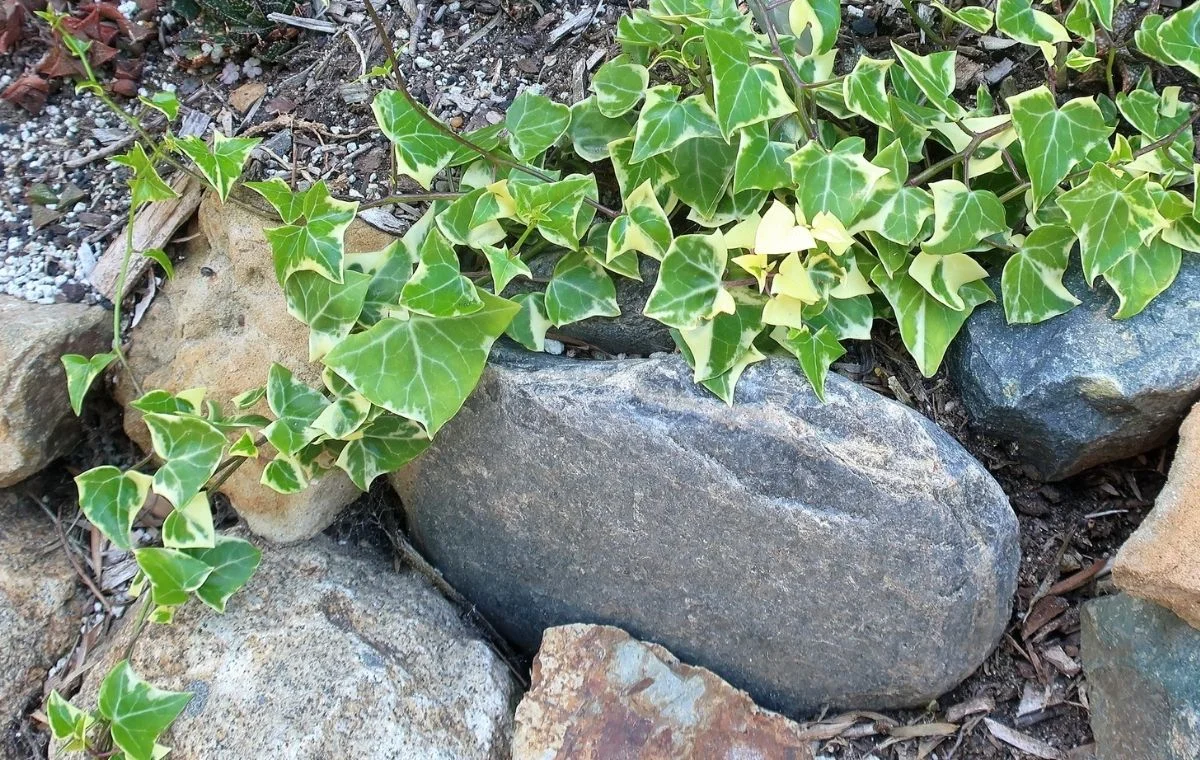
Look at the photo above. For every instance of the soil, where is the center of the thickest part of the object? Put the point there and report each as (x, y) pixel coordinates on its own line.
(468, 59)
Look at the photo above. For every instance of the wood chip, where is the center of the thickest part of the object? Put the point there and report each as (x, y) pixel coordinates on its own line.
(975, 706)
(153, 227)
(1061, 660)
(1046, 610)
(1023, 742)
(571, 23)
(247, 95)
(1078, 580)
(923, 729)
(311, 24)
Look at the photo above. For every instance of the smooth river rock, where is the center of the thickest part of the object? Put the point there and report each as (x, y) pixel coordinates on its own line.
(1081, 389)
(1143, 677)
(597, 694)
(848, 552)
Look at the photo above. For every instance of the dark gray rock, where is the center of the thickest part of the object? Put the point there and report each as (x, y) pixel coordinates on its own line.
(1082, 389)
(849, 552)
(1143, 674)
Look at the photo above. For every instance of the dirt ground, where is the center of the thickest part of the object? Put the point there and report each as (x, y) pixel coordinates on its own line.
(467, 59)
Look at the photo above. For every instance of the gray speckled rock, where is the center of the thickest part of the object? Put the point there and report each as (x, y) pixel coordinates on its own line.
(1143, 675)
(1082, 389)
(849, 552)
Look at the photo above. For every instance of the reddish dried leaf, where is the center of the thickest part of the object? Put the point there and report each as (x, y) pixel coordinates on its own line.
(110, 12)
(100, 54)
(1047, 609)
(125, 87)
(58, 62)
(28, 92)
(86, 28)
(13, 31)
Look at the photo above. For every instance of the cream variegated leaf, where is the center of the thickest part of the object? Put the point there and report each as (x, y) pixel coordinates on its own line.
(962, 218)
(421, 149)
(665, 122)
(1054, 140)
(1112, 215)
(1032, 286)
(689, 290)
(943, 277)
(744, 93)
(837, 181)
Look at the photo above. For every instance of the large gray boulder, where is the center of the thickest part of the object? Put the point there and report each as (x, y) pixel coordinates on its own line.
(326, 653)
(1143, 675)
(848, 552)
(1082, 389)
(36, 422)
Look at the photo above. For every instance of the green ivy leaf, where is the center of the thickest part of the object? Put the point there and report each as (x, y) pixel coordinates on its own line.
(146, 185)
(926, 324)
(329, 309)
(837, 181)
(943, 277)
(164, 102)
(578, 289)
(557, 209)
(222, 164)
(231, 561)
(81, 373)
(619, 86)
(172, 574)
(504, 267)
(665, 123)
(847, 318)
(895, 210)
(433, 363)
(190, 527)
(705, 167)
(422, 150)
(761, 162)
(1112, 216)
(387, 443)
(68, 723)
(864, 91)
(1104, 12)
(1146, 39)
(161, 402)
(535, 122)
(639, 32)
(717, 344)
(244, 447)
(688, 290)
(1055, 140)
(249, 398)
(1019, 20)
(472, 219)
(745, 93)
(137, 712)
(1179, 38)
(815, 23)
(343, 418)
(285, 475)
(934, 76)
(644, 227)
(962, 218)
(438, 287)
(816, 352)
(1139, 277)
(630, 176)
(530, 324)
(311, 240)
(389, 270)
(111, 500)
(591, 131)
(295, 406)
(160, 257)
(974, 17)
(191, 450)
(722, 386)
(1031, 285)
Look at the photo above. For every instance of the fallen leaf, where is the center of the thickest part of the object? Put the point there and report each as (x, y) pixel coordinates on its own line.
(247, 95)
(1023, 742)
(1046, 610)
(28, 91)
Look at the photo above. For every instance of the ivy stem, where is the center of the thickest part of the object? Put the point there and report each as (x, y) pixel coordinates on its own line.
(810, 127)
(491, 157)
(922, 24)
(391, 200)
(121, 278)
(977, 139)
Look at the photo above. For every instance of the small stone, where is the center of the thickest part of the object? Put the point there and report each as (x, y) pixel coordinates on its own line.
(1161, 560)
(423, 62)
(590, 679)
(456, 122)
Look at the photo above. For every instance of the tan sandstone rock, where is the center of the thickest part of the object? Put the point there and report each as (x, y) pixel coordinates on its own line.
(327, 654)
(36, 422)
(38, 616)
(598, 693)
(1161, 560)
(220, 324)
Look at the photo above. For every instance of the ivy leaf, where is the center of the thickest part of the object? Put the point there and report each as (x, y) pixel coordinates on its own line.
(1055, 140)
(847, 318)
(162, 402)
(163, 101)
(137, 712)
(284, 475)
(896, 211)
(472, 219)
(926, 324)
(244, 447)
(975, 17)
(81, 373)
(619, 86)
(1179, 38)
(190, 527)
(191, 450)
(1139, 277)
(591, 131)
(962, 218)
(664, 123)
(504, 267)
(934, 76)
(295, 406)
(535, 122)
(639, 31)
(343, 417)
(778, 233)
(943, 277)
(160, 257)
(68, 723)
(530, 324)
(1146, 39)
(146, 185)
(422, 150)
(438, 287)
(761, 162)
(744, 93)
(433, 363)
(389, 269)
(328, 308)
(557, 208)
(222, 164)
(630, 176)
(1032, 285)
(1104, 12)
(864, 91)
(580, 288)
(1112, 217)
(819, 20)
(988, 155)
(387, 443)
(816, 352)
(1019, 20)
(837, 182)
(311, 240)
(231, 561)
(705, 167)
(688, 289)
(172, 574)
(644, 227)
(718, 343)
(111, 500)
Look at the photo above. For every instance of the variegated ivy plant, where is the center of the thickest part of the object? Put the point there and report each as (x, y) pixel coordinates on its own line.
(787, 207)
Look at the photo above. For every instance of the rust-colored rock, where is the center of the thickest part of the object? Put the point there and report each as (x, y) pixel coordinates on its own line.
(600, 694)
(1161, 560)
(220, 324)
